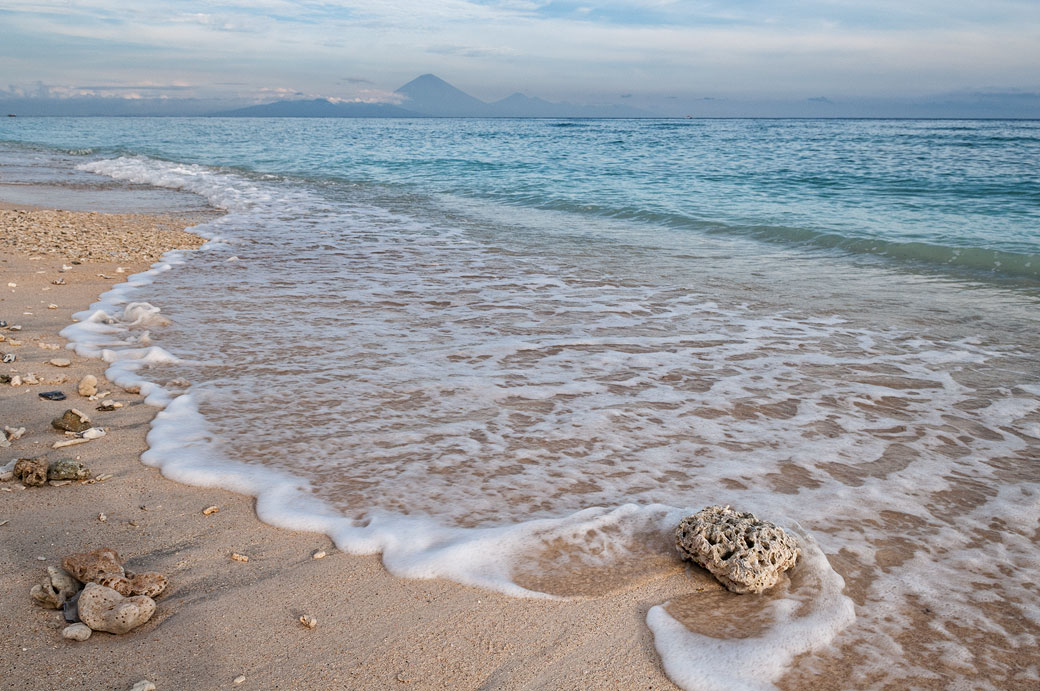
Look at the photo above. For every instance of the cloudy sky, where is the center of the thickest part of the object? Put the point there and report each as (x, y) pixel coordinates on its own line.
(595, 52)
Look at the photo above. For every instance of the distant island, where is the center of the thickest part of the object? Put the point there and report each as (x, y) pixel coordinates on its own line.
(429, 96)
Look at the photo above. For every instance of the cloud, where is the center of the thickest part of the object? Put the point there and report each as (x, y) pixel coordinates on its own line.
(559, 48)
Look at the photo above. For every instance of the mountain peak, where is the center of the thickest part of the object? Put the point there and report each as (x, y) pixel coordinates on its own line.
(432, 95)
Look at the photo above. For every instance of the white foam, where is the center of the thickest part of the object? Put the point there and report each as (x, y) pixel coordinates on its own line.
(705, 663)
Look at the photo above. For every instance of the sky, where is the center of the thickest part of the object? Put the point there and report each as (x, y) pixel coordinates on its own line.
(647, 53)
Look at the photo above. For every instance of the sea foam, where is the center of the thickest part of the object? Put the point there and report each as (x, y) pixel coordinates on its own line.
(458, 406)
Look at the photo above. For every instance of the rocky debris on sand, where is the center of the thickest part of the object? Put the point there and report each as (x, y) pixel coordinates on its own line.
(308, 621)
(87, 386)
(209, 510)
(55, 590)
(95, 237)
(745, 554)
(72, 420)
(105, 567)
(104, 609)
(13, 433)
(49, 395)
(235, 556)
(109, 405)
(77, 632)
(143, 685)
(31, 471)
(67, 469)
(320, 554)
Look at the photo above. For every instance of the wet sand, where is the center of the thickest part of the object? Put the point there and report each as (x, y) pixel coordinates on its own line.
(221, 618)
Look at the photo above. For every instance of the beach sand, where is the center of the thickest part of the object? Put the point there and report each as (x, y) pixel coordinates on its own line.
(221, 618)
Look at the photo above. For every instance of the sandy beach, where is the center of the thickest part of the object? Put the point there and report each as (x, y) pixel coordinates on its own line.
(221, 618)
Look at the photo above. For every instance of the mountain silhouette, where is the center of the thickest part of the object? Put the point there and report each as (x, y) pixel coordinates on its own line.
(430, 96)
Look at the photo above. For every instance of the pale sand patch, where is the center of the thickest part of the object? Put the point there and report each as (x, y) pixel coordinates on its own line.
(221, 618)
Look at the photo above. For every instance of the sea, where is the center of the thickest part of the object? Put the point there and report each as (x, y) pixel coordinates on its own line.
(512, 352)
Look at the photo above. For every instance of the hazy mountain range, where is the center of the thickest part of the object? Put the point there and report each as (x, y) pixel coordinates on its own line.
(430, 96)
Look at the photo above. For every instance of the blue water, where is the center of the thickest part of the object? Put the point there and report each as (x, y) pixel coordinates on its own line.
(935, 193)
(513, 353)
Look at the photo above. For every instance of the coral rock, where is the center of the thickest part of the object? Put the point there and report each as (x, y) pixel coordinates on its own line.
(104, 609)
(745, 554)
(77, 632)
(31, 471)
(67, 469)
(150, 583)
(143, 685)
(55, 589)
(87, 386)
(71, 421)
(88, 567)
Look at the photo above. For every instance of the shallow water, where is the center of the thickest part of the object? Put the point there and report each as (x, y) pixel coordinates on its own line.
(465, 350)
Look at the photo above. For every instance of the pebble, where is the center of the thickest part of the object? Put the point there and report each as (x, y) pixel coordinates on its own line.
(61, 362)
(52, 306)
(320, 554)
(71, 420)
(235, 556)
(240, 679)
(308, 621)
(210, 510)
(87, 386)
(77, 632)
(143, 685)
(102, 517)
(93, 433)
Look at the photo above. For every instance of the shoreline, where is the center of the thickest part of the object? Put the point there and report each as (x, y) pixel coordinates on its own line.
(221, 618)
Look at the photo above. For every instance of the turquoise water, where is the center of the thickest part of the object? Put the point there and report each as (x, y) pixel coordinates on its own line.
(505, 351)
(940, 193)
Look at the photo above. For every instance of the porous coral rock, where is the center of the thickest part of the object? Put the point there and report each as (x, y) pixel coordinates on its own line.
(88, 567)
(150, 583)
(745, 554)
(31, 471)
(104, 609)
(67, 469)
(105, 567)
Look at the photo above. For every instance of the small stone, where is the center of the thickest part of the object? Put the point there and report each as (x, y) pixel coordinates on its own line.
(67, 469)
(109, 405)
(210, 510)
(308, 621)
(235, 556)
(71, 420)
(77, 632)
(17, 381)
(240, 679)
(52, 306)
(50, 395)
(60, 362)
(87, 386)
(143, 685)
(8, 358)
(93, 433)
(104, 609)
(745, 554)
(14, 434)
(320, 554)
(31, 471)
(102, 517)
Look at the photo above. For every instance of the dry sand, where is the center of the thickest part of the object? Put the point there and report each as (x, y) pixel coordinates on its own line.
(222, 618)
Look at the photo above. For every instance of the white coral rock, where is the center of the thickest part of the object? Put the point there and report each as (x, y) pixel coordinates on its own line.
(745, 554)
